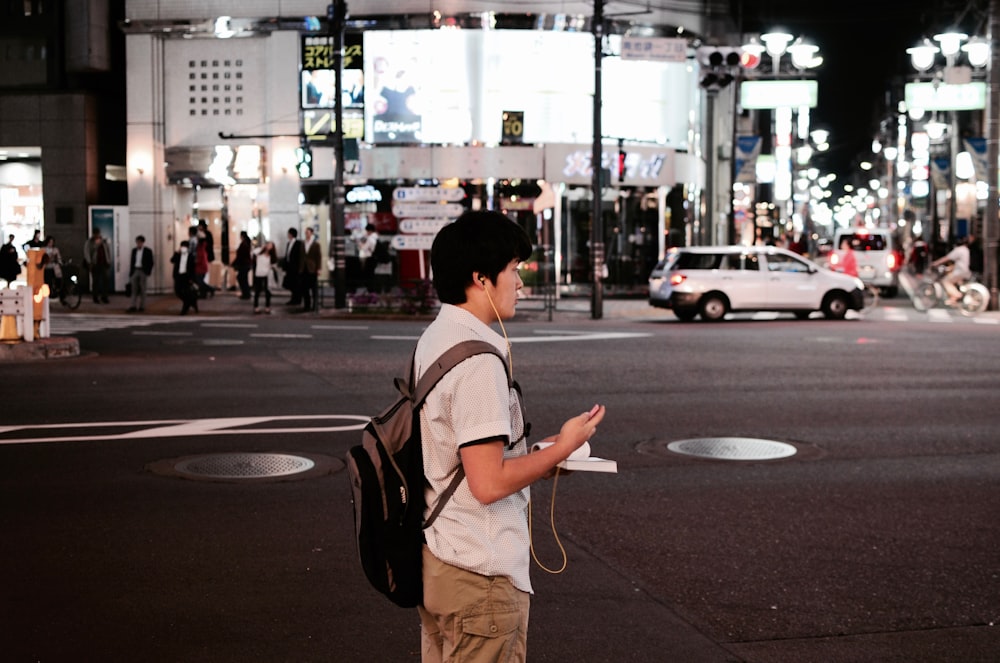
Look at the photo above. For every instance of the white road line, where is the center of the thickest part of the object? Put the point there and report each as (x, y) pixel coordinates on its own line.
(938, 315)
(986, 321)
(229, 325)
(568, 336)
(143, 332)
(281, 335)
(344, 327)
(139, 430)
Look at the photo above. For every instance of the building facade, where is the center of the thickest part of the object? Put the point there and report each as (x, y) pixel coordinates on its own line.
(229, 109)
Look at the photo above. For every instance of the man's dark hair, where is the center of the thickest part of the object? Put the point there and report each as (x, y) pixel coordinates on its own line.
(293, 232)
(484, 242)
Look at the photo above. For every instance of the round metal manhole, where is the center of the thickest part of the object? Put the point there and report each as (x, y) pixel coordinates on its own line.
(247, 466)
(244, 465)
(733, 448)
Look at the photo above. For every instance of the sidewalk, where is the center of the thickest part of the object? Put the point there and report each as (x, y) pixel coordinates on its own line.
(229, 304)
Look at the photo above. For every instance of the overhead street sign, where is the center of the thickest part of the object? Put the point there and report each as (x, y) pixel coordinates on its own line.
(412, 242)
(660, 49)
(427, 194)
(422, 226)
(426, 210)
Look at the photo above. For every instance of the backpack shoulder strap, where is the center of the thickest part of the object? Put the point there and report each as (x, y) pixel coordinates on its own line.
(447, 361)
(437, 370)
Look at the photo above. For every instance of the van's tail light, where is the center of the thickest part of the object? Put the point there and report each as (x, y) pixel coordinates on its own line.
(891, 261)
(834, 258)
(677, 279)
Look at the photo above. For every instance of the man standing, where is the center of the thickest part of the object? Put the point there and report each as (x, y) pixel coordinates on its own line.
(10, 265)
(243, 263)
(97, 258)
(366, 251)
(310, 271)
(476, 557)
(140, 267)
(294, 264)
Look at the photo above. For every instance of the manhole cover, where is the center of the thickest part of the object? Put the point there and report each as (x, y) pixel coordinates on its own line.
(733, 448)
(246, 466)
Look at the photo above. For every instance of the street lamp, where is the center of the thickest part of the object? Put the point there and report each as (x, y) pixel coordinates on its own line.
(955, 78)
(777, 120)
(924, 58)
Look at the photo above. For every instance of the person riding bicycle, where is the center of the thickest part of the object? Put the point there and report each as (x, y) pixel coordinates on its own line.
(959, 259)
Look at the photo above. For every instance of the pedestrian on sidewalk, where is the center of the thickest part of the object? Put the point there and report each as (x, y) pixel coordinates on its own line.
(264, 260)
(140, 267)
(243, 264)
(97, 257)
(185, 286)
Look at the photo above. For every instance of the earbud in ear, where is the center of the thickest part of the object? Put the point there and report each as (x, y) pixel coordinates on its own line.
(482, 279)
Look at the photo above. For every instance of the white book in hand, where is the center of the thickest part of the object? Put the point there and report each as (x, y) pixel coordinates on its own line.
(581, 460)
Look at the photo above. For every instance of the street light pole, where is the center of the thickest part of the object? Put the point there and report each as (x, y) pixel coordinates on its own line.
(337, 18)
(596, 225)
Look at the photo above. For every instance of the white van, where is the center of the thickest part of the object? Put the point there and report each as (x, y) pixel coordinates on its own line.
(711, 281)
(878, 263)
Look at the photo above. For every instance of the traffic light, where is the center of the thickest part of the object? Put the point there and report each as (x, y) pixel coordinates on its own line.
(304, 159)
(719, 56)
(720, 65)
(621, 160)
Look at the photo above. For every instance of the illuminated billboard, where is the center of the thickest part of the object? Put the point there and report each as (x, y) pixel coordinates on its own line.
(778, 94)
(943, 96)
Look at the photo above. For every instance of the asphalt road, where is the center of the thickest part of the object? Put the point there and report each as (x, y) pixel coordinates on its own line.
(876, 541)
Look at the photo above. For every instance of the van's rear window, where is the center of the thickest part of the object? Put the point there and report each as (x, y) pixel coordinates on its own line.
(866, 242)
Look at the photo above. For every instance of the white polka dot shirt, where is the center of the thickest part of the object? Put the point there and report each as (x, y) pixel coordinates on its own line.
(473, 402)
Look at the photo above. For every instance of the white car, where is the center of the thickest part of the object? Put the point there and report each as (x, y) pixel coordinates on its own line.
(711, 281)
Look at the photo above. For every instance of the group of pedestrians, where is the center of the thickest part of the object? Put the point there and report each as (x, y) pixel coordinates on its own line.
(191, 262)
(301, 266)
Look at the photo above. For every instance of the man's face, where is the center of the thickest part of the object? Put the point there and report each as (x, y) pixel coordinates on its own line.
(506, 289)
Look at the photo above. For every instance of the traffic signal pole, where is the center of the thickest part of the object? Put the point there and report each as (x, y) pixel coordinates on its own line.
(337, 19)
(597, 225)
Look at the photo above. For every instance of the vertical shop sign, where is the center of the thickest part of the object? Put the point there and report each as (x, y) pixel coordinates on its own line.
(512, 132)
(318, 86)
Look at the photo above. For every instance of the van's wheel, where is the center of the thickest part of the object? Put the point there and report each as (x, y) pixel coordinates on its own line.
(713, 307)
(835, 306)
(685, 314)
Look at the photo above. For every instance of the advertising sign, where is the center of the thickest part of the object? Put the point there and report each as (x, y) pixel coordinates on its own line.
(942, 96)
(778, 94)
(319, 82)
(512, 132)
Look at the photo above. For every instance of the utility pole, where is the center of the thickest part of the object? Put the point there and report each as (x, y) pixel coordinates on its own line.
(990, 226)
(336, 19)
(597, 225)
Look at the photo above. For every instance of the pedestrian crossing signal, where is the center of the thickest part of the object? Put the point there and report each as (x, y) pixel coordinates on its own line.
(304, 159)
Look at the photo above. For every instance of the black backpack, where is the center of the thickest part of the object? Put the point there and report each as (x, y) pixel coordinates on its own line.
(387, 483)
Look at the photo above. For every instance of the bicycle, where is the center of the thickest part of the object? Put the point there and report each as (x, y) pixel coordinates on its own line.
(931, 293)
(67, 286)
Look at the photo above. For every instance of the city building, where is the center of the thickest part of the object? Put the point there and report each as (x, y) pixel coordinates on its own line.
(229, 111)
